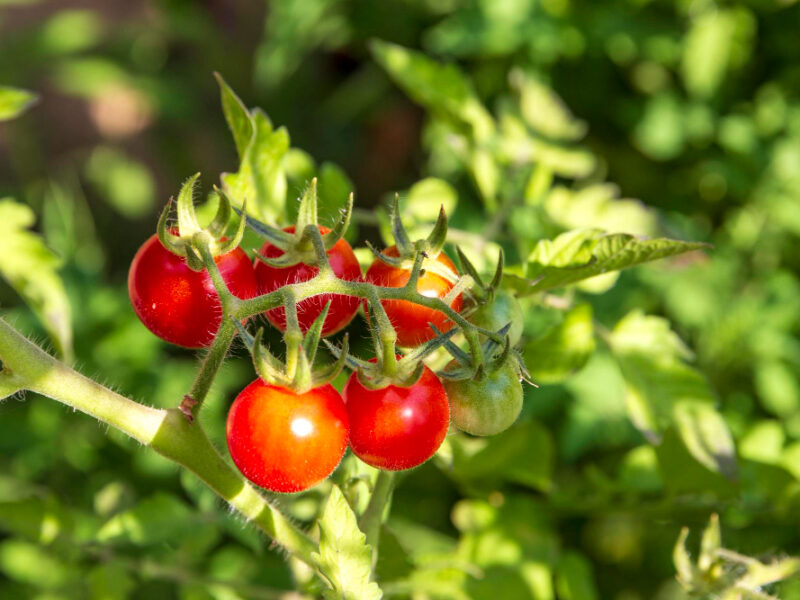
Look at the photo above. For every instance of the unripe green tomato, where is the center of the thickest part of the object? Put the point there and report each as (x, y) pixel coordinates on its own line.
(498, 313)
(486, 406)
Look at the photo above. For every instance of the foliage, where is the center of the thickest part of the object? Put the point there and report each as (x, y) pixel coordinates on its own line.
(671, 396)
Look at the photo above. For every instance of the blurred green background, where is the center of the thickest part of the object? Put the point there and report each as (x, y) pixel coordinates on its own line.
(691, 106)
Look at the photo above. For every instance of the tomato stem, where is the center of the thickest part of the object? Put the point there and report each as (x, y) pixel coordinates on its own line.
(373, 517)
(166, 431)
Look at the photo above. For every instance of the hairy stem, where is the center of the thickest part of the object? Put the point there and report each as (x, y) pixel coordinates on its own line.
(28, 367)
(211, 364)
(371, 520)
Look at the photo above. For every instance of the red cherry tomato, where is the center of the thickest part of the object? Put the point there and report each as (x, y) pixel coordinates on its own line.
(396, 428)
(411, 320)
(283, 441)
(177, 304)
(343, 308)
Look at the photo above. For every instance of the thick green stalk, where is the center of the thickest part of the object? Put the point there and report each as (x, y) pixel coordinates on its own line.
(28, 367)
(371, 520)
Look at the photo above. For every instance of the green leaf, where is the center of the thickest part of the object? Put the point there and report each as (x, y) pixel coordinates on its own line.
(578, 255)
(237, 116)
(711, 45)
(344, 556)
(574, 578)
(426, 197)
(441, 88)
(158, 518)
(543, 110)
(32, 518)
(661, 389)
(334, 188)
(30, 268)
(110, 581)
(14, 102)
(124, 183)
(31, 564)
(564, 349)
(261, 179)
(598, 206)
(523, 454)
(707, 437)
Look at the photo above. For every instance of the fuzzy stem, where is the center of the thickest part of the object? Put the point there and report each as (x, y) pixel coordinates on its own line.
(370, 522)
(211, 364)
(28, 367)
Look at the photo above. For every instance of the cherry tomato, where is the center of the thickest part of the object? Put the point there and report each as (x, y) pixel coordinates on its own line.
(486, 406)
(396, 428)
(411, 320)
(284, 441)
(177, 304)
(343, 308)
(502, 310)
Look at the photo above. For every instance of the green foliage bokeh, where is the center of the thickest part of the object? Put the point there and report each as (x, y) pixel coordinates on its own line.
(691, 107)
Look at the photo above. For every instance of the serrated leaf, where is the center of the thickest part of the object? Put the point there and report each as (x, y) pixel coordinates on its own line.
(581, 254)
(31, 269)
(237, 116)
(564, 349)
(344, 557)
(14, 102)
(261, 179)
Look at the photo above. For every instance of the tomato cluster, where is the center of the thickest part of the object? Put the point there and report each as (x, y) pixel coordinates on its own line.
(287, 441)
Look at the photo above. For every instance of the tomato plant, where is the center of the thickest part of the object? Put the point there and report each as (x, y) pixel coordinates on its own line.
(342, 309)
(411, 320)
(397, 427)
(178, 304)
(487, 404)
(285, 441)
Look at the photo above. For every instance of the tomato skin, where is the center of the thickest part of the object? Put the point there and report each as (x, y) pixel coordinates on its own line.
(284, 441)
(177, 304)
(343, 308)
(411, 320)
(502, 310)
(487, 406)
(396, 428)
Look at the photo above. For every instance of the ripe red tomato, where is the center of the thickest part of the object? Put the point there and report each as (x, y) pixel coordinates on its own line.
(411, 320)
(177, 304)
(283, 441)
(343, 308)
(396, 428)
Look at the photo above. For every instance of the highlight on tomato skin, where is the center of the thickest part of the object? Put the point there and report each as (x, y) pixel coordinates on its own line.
(411, 320)
(397, 428)
(177, 304)
(284, 441)
(343, 308)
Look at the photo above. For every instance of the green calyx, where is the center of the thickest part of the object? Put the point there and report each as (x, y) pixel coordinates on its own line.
(297, 372)
(493, 357)
(400, 370)
(192, 240)
(420, 255)
(307, 244)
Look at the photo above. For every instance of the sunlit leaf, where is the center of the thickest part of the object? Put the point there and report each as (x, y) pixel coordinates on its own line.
(344, 557)
(237, 116)
(261, 180)
(14, 102)
(31, 269)
(155, 519)
(441, 88)
(564, 349)
(574, 578)
(581, 254)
